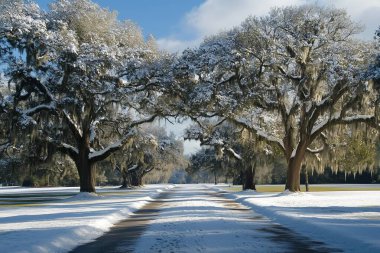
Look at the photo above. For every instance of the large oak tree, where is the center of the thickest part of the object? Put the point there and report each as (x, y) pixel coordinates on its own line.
(69, 72)
(286, 77)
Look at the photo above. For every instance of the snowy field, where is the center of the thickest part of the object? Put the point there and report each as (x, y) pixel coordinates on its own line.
(348, 220)
(58, 219)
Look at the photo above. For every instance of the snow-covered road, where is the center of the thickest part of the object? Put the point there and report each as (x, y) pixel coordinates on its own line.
(193, 218)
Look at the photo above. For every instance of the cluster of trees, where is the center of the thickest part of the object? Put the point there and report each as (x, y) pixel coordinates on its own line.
(86, 85)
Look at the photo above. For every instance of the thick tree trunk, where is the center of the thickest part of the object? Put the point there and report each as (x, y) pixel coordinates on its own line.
(87, 176)
(86, 170)
(249, 178)
(136, 180)
(293, 174)
(125, 181)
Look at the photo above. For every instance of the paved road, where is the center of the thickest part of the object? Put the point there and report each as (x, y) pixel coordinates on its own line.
(194, 218)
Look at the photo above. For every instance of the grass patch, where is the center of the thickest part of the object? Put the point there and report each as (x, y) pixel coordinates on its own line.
(117, 193)
(326, 188)
(313, 188)
(274, 188)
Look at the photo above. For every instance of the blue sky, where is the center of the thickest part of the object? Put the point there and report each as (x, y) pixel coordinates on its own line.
(162, 18)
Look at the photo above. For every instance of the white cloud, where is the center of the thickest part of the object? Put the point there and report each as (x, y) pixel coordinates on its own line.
(214, 16)
(217, 15)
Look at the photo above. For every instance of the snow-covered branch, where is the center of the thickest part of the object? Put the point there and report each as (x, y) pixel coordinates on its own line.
(72, 125)
(70, 148)
(338, 120)
(133, 167)
(65, 148)
(146, 171)
(258, 132)
(233, 153)
(100, 155)
(44, 107)
(93, 127)
(315, 151)
(142, 121)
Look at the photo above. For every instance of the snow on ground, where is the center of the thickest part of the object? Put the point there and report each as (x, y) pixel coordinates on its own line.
(191, 218)
(194, 218)
(349, 220)
(63, 223)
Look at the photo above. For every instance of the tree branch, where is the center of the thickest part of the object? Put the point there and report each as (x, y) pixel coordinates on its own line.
(100, 155)
(367, 119)
(72, 125)
(258, 132)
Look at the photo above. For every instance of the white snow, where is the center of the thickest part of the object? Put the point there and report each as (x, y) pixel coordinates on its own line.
(236, 155)
(65, 145)
(192, 218)
(63, 224)
(348, 220)
(195, 219)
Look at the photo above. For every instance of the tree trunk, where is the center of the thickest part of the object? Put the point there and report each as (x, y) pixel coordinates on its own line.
(87, 176)
(306, 178)
(215, 178)
(237, 178)
(249, 178)
(47, 179)
(125, 181)
(86, 170)
(293, 174)
(136, 180)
